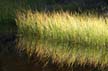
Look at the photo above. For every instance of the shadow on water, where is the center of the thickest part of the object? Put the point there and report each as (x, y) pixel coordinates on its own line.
(9, 60)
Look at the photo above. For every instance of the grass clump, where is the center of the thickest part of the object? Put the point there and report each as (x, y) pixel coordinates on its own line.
(66, 27)
(65, 37)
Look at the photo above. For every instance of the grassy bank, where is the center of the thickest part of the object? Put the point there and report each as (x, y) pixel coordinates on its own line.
(64, 38)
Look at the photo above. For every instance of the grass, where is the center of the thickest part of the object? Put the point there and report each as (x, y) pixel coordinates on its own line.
(65, 27)
(61, 38)
(64, 37)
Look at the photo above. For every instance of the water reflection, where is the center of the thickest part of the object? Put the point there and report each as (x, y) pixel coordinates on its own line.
(46, 52)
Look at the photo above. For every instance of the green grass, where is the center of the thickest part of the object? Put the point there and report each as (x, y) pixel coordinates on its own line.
(64, 37)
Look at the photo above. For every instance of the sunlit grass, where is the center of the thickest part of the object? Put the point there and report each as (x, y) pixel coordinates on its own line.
(65, 37)
(83, 30)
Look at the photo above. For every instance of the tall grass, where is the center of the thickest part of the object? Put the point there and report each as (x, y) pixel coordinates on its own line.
(91, 30)
(64, 37)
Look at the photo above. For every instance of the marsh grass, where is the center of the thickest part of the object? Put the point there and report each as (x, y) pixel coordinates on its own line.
(64, 37)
